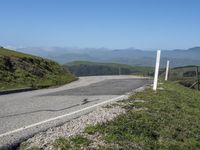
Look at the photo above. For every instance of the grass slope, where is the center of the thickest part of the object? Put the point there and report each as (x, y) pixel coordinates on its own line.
(168, 119)
(10, 53)
(85, 68)
(23, 70)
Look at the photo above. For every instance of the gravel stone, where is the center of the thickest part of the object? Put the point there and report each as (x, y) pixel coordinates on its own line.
(76, 126)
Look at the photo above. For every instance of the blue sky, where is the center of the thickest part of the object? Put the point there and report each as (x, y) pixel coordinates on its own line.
(143, 24)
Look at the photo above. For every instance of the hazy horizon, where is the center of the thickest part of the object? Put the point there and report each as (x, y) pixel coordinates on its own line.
(53, 48)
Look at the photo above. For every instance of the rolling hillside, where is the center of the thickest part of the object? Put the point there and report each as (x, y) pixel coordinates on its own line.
(86, 68)
(23, 70)
(130, 56)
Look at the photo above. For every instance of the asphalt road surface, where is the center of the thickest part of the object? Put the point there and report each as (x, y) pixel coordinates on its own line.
(24, 114)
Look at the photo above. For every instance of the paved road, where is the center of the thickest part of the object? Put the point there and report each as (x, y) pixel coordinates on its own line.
(36, 108)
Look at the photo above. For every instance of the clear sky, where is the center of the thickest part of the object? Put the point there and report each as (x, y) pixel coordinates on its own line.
(143, 24)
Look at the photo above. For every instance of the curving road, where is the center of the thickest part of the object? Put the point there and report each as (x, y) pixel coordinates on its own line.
(24, 114)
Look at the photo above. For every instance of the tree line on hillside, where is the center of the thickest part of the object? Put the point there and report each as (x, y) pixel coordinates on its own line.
(100, 69)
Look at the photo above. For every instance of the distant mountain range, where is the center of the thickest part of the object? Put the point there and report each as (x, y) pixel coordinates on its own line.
(130, 56)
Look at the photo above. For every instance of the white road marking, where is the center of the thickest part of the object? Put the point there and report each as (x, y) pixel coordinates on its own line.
(62, 116)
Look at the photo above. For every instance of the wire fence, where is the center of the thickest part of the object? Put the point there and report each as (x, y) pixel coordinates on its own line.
(187, 76)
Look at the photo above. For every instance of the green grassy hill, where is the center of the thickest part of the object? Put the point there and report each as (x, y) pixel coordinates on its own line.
(86, 68)
(23, 70)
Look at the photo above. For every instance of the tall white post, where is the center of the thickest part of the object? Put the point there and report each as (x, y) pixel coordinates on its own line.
(167, 71)
(156, 70)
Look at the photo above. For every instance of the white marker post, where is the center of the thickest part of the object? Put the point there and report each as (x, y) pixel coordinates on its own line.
(156, 70)
(167, 71)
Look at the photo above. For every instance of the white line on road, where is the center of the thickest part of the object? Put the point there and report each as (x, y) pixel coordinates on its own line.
(62, 116)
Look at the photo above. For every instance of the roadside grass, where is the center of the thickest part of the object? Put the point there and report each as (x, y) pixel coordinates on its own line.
(170, 120)
(34, 82)
(24, 147)
(74, 143)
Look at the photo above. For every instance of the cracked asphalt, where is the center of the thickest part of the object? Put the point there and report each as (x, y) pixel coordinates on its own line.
(22, 109)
